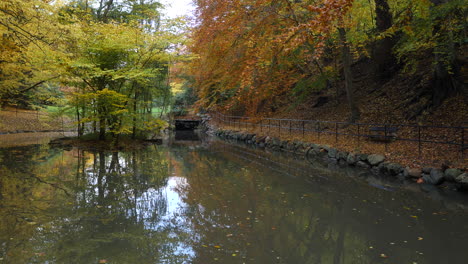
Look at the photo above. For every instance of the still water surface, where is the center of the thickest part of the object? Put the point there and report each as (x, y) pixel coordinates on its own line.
(212, 202)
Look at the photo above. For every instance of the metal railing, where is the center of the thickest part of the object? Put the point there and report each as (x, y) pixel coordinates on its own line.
(364, 133)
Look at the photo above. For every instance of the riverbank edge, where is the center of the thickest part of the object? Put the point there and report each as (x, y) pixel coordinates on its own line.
(37, 131)
(376, 163)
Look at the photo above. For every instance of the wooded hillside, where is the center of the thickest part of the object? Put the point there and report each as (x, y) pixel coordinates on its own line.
(387, 61)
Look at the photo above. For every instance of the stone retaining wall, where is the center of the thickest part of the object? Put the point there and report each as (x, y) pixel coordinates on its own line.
(374, 162)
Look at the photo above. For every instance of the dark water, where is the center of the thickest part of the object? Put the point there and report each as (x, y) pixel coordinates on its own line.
(215, 203)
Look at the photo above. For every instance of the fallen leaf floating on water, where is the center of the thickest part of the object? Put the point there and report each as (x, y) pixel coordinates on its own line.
(383, 256)
(217, 246)
(102, 261)
(420, 238)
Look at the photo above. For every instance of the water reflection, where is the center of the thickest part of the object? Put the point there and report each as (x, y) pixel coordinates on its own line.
(207, 204)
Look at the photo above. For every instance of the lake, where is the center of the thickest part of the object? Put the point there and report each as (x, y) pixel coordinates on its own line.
(209, 201)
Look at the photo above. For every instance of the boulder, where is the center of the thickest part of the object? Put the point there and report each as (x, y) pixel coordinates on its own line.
(325, 147)
(452, 174)
(301, 147)
(332, 153)
(393, 168)
(292, 146)
(362, 164)
(316, 147)
(250, 136)
(426, 170)
(276, 142)
(436, 177)
(412, 172)
(362, 157)
(462, 179)
(375, 159)
(351, 159)
(342, 155)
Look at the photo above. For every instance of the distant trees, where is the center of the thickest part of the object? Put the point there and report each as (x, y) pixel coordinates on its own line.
(112, 55)
(251, 53)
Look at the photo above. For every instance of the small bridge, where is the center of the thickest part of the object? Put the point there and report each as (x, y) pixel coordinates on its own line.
(186, 123)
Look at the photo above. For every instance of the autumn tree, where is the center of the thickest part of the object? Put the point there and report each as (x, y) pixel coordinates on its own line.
(253, 53)
(31, 39)
(121, 59)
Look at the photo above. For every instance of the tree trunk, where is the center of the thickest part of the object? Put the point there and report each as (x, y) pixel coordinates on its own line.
(134, 129)
(346, 57)
(78, 118)
(102, 124)
(445, 83)
(382, 54)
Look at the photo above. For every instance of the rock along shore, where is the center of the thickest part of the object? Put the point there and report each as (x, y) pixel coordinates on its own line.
(373, 162)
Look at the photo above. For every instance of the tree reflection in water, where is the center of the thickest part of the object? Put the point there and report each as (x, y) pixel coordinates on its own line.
(85, 207)
(211, 203)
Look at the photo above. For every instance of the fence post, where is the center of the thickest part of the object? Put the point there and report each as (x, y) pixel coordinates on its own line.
(358, 136)
(462, 142)
(318, 131)
(419, 140)
(385, 137)
(303, 129)
(290, 127)
(269, 126)
(336, 132)
(261, 125)
(279, 128)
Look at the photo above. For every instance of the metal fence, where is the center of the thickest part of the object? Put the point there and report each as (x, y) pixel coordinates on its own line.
(361, 134)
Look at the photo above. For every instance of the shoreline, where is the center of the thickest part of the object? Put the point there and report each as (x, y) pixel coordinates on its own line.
(457, 178)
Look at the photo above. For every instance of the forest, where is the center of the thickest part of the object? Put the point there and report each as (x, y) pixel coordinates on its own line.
(247, 131)
(254, 57)
(106, 63)
(116, 66)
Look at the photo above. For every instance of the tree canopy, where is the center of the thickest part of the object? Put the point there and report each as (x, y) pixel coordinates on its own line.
(110, 59)
(250, 53)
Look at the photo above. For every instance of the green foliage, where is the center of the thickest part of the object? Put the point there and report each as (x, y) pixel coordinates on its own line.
(183, 100)
(317, 83)
(427, 28)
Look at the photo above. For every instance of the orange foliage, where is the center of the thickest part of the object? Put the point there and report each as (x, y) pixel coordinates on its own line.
(254, 51)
